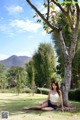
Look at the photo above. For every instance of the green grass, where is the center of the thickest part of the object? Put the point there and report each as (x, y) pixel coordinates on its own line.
(13, 103)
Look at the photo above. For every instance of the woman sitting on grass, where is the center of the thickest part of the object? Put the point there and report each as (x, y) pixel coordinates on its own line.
(54, 100)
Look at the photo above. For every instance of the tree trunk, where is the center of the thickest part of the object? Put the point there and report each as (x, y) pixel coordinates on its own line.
(68, 57)
(48, 83)
(33, 87)
(67, 81)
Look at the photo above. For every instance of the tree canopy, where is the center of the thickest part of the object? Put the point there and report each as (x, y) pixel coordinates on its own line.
(71, 10)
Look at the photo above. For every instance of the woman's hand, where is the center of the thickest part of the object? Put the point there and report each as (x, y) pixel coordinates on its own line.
(62, 109)
(54, 103)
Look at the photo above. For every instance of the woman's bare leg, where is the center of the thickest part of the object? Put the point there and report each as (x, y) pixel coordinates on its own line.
(38, 107)
(44, 105)
(47, 108)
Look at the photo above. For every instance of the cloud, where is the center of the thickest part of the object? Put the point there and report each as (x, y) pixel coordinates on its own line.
(6, 29)
(25, 25)
(14, 9)
(25, 53)
(3, 56)
(44, 33)
(19, 26)
(20, 53)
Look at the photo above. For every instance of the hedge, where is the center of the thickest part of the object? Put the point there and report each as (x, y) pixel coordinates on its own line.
(74, 95)
(43, 91)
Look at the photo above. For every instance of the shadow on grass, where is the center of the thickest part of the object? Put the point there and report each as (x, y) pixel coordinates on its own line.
(77, 104)
(14, 106)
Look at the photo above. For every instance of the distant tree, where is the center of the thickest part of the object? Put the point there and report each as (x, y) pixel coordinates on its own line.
(18, 77)
(31, 74)
(12, 76)
(45, 64)
(3, 81)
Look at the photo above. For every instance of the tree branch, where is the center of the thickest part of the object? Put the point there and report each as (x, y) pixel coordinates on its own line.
(48, 9)
(73, 42)
(43, 18)
(62, 43)
(69, 5)
(64, 12)
(59, 32)
(59, 6)
(77, 13)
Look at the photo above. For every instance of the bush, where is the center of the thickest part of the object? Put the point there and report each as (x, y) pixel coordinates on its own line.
(13, 90)
(4, 91)
(43, 91)
(74, 94)
(26, 90)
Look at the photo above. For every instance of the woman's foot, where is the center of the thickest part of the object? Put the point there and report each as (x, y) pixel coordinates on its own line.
(25, 108)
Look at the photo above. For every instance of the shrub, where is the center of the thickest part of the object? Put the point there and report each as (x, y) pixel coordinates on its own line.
(74, 94)
(4, 91)
(43, 91)
(26, 90)
(13, 90)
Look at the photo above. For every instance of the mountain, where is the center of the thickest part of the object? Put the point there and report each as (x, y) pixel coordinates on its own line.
(15, 61)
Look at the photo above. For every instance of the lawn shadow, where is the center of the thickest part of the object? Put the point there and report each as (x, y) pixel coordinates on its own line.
(14, 105)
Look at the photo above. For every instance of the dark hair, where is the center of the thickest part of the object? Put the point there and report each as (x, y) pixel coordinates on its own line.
(56, 83)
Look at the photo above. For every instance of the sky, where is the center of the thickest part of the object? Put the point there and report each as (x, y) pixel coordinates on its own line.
(20, 34)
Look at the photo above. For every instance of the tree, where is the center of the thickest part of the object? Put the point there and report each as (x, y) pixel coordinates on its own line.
(65, 31)
(11, 77)
(19, 83)
(75, 63)
(3, 80)
(76, 70)
(31, 74)
(12, 74)
(71, 10)
(44, 64)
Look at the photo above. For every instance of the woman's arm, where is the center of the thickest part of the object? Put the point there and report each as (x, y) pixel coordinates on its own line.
(61, 100)
(47, 98)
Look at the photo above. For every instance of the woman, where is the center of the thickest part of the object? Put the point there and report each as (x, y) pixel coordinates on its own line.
(54, 100)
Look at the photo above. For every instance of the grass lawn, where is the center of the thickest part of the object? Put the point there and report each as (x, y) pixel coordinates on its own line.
(13, 103)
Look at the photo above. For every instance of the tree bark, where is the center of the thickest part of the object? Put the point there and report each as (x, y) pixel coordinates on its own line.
(67, 81)
(68, 57)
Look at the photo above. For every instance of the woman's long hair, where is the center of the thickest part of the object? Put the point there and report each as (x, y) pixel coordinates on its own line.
(56, 83)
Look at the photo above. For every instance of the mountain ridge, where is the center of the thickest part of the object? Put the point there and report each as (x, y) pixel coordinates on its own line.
(15, 60)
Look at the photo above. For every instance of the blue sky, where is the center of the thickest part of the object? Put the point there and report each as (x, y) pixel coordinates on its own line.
(20, 34)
